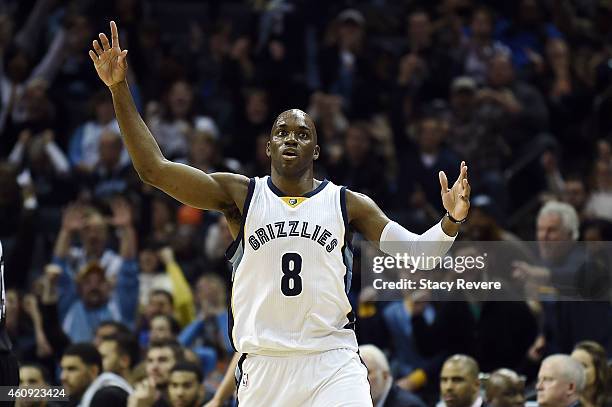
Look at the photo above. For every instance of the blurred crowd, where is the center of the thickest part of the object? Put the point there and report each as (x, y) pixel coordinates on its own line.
(106, 274)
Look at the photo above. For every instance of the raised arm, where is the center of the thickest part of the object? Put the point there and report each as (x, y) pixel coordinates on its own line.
(369, 220)
(222, 192)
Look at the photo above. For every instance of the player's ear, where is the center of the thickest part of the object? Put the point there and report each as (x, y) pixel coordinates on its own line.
(268, 153)
(317, 151)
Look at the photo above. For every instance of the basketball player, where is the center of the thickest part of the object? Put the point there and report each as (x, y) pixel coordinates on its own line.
(290, 316)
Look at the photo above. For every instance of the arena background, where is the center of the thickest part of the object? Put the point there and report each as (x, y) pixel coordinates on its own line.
(399, 90)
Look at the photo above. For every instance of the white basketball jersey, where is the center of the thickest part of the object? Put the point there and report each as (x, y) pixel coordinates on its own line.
(291, 272)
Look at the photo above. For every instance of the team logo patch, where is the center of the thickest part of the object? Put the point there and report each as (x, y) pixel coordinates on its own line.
(293, 201)
(245, 380)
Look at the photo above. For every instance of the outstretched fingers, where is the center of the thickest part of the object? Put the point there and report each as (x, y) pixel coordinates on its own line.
(114, 35)
(97, 48)
(93, 56)
(104, 40)
(443, 181)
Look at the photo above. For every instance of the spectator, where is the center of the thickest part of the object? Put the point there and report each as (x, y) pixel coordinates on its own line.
(185, 385)
(34, 376)
(560, 381)
(163, 327)
(84, 144)
(343, 65)
(109, 328)
(161, 358)
(120, 353)
(594, 360)
(384, 392)
(459, 382)
(479, 45)
(85, 382)
(505, 388)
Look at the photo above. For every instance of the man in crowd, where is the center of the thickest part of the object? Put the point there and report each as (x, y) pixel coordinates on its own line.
(561, 379)
(459, 383)
(32, 376)
(185, 385)
(505, 388)
(84, 381)
(384, 392)
(119, 354)
(153, 391)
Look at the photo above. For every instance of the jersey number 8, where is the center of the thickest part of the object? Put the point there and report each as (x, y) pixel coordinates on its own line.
(291, 283)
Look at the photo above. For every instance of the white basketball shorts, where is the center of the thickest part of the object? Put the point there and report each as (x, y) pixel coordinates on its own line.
(336, 378)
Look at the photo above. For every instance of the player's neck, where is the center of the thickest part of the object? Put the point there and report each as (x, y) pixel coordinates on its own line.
(294, 186)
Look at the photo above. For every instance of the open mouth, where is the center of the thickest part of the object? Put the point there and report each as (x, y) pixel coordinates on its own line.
(289, 154)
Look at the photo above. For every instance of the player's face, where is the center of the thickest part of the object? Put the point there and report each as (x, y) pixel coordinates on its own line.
(76, 376)
(457, 386)
(293, 143)
(184, 389)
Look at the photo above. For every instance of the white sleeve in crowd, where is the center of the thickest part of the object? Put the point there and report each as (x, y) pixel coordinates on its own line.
(58, 158)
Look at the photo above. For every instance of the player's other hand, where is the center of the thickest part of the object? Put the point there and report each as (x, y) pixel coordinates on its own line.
(456, 200)
(108, 58)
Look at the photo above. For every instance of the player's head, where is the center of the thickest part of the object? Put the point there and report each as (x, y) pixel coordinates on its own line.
(185, 385)
(505, 389)
(81, 364)
(459, 383)
(293, 143)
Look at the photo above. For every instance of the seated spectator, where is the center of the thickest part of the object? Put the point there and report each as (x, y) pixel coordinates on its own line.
(561, 380)
(160, 302)
(120, 353)
(505, 388)
(84, 151)
(479, 45)
(161, 357)
(109, 328)
(384, 392)
(459, 382)
(110, 176)
(594, 360)
(185, 385)
(34, 376)
(86, 384)
(163, 327)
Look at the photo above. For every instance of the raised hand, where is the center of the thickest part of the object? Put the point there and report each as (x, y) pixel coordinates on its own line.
(109, 59)
(457, 199)
(122, 213)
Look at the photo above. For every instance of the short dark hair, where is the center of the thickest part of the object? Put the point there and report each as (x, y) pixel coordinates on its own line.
(173, 344)
(159, 291)
(121, 328)
(175, 328)
(87, 352)
(44, 372)
(185, 366)
(126, 345)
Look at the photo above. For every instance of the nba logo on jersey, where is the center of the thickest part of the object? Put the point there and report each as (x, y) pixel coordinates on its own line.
(245, 380)
(292, 201)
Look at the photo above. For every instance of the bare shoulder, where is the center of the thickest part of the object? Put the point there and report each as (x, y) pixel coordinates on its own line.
(358, 204)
